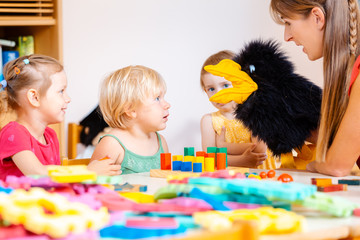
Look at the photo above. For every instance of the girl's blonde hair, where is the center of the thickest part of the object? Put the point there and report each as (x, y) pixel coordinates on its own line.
(213, 60)
(32, 71)
(124, 90)
(341, 47)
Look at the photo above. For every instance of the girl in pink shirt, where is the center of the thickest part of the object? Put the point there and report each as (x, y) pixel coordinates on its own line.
(35, 87)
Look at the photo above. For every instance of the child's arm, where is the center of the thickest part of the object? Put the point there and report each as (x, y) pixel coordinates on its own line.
(249, 158)
(164, 144)
(239, 148)
(207, 132)
(109, 148)
(31, 165)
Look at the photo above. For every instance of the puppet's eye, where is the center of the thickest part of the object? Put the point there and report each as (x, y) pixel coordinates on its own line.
(252, 68)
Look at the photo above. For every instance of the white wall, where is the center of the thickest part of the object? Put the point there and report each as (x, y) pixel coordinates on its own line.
(173, 37)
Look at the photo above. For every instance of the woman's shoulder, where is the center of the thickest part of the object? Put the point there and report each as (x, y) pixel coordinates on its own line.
(354, 73)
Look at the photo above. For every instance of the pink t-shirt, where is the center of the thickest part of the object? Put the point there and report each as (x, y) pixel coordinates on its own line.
(15, 138)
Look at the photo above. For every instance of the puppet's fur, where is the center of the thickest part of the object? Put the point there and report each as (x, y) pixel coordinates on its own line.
(92, 124)
(286, 106)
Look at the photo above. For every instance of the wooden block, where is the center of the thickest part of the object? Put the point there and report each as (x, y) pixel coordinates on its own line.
(321, 182)
(177, 158)
(189, 151)
(158, 173)
(69, 162)
(209, 164)
(189, 158)
(349, 181)
(200, 154)
(165, 161)
(221, 161)
(333, 188)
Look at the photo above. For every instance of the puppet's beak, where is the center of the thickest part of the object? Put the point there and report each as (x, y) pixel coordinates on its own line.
(242, 83)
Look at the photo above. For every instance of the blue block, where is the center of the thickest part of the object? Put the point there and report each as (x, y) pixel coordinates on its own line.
(197, 167)
(186, 166)
(176, 165)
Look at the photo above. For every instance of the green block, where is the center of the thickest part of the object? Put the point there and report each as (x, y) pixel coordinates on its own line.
(189, 151)
(211, 150)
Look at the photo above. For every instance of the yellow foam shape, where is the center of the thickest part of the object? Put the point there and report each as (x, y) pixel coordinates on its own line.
(243, 85)
(138, 197)
(60, 218)
(70, 174)
(270, 220)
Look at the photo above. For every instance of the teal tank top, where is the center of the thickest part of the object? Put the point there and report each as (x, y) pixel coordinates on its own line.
(134, 163)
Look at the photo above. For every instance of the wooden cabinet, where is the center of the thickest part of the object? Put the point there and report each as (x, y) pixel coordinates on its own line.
(43, 20)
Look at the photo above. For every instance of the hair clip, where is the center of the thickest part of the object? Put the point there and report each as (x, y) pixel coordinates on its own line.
(26, 61)
(3, 84)
(17, 70)
(252, 68)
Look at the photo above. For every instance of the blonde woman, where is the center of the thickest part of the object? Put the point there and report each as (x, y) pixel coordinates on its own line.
(133, 105)
(330, 29)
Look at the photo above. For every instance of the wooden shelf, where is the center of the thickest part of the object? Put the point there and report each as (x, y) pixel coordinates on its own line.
(26, 21)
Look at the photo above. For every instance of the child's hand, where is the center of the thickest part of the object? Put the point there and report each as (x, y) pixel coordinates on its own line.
(220, 139)
(252, 159)
(105, 166)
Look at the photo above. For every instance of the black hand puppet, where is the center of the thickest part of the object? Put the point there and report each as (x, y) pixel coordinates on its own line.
(92, 124)
(278, 106)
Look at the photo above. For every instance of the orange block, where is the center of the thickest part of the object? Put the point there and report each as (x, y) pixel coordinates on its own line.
(165, 161)
(220, 161)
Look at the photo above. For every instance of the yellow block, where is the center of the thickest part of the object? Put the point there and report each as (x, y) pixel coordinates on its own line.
(209, 164)
(189, 158)
(177, 157)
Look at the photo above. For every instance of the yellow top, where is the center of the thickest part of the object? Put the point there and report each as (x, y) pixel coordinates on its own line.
(236, 132)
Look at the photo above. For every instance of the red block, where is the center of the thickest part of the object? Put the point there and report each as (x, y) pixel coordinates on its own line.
(333, 188)
(201, 154)
(165, 161)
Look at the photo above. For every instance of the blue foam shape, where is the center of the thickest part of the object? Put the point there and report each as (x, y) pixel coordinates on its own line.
(216, 205)
(270, 189)
(120, 231)
(6, 190)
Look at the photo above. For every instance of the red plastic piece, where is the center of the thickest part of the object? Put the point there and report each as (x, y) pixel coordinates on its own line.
(271, 174)
(263, 175)
(285, 178)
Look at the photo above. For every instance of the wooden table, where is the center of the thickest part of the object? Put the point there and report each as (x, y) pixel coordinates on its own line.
(317, 226)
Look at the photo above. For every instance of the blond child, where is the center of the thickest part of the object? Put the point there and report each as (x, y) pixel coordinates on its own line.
(133, 105)
(35, 87)
(221, 129)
